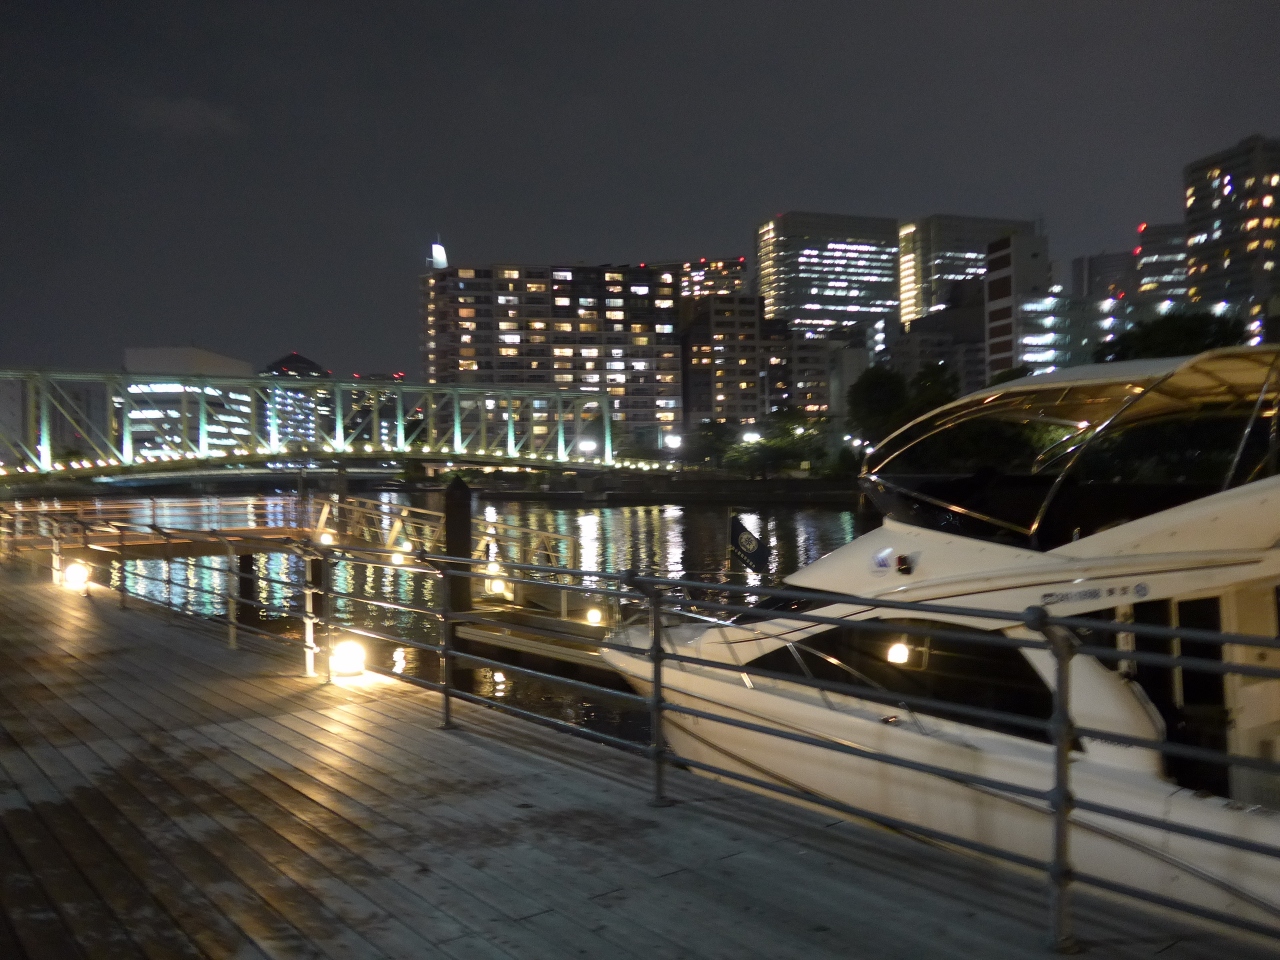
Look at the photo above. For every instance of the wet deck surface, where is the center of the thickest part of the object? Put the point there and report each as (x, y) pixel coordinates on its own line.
(163, 796)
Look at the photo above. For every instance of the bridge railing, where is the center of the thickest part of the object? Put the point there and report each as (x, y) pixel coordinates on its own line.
(646, 614)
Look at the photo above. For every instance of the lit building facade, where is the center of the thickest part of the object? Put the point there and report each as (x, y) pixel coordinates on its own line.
(609, 331)
(1102, 275)
(1031, 322)
(936, 252)
(830, 276)
(704, 277)
(297, 410)
(1232, 229)
(723, 378)
(1160, 266)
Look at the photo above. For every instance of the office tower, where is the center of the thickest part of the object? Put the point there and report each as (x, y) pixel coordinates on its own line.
(1102, 275)
(297, 411)
(830, 276)
(706, 277)
(938, 251)
(724, 379)
(1160, 265)
(1232, 224)
(160, 417)
(605, 330)
(1018, 271)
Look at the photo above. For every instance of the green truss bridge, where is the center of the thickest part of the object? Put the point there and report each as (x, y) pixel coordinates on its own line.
(98, 424)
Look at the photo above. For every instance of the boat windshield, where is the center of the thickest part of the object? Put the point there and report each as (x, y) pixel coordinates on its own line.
(1044, 460)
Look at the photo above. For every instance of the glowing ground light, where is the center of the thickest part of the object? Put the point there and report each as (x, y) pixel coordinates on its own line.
(594, 617)
(898, 653)
(347, 659)
(76, 575)
(326, 538)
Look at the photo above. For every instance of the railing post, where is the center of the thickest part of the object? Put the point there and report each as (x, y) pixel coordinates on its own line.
(55, 557)
(231, 596)
(657, 744)
(123, 591)
(168, 576)
(446, 651)
(314, 599)
(1061, 800)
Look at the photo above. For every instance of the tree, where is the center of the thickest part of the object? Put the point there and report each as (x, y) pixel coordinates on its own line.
(934, 386)
(1172, 335)
(877, 403)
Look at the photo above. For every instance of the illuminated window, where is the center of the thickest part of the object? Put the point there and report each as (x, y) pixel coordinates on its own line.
(468, 365)
(467, 325)
(640, 341)
(590, 351)
(666, 278)
(561, 274)
(466, 274)
(562, 351)
(616, 277)
(564, 301)
(536, 287)
(588, 328)
(510, 338)
(510, 274)
(564, 328)
(639, 290)
(466, 311)
(664, 304)
(665, 328)
(588, 314)
(564, 378)
(615, 315)
(508, 300)
(467, 352)
(508, 325)
(508, 351)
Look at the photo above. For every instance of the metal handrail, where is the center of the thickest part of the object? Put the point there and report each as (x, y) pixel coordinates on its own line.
(657, 595)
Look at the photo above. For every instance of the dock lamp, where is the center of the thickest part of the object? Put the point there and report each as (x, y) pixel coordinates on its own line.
(347, 659)
(76, 577)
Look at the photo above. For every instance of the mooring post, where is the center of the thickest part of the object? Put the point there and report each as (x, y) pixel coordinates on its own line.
(457, 543)
(244, 590)
(1062, 801)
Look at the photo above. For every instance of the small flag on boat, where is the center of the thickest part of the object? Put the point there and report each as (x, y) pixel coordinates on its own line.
(747, 547)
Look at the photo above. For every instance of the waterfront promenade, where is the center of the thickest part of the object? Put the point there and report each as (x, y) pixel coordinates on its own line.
(164, 796)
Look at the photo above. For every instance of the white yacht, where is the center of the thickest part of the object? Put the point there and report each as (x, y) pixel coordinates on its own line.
(1143, 492)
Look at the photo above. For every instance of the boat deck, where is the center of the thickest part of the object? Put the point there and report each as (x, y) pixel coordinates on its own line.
(164, 796)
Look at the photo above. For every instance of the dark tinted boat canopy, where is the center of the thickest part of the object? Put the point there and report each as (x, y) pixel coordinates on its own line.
(1048, 459)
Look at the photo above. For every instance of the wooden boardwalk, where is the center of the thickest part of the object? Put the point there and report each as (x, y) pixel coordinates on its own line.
(163, 796)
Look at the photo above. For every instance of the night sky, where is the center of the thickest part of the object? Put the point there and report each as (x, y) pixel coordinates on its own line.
(262, 177)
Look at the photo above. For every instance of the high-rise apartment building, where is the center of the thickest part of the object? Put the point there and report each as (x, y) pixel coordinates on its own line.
(1160, 266)
(937, 251)
(725, 372)
(830, 276)
(609, 331)
(704, 277)
(1233, 224)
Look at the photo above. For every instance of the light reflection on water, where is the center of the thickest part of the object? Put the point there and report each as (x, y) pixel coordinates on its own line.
(672, 541)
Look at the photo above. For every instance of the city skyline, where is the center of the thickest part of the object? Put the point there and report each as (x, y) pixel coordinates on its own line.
(271, 181)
